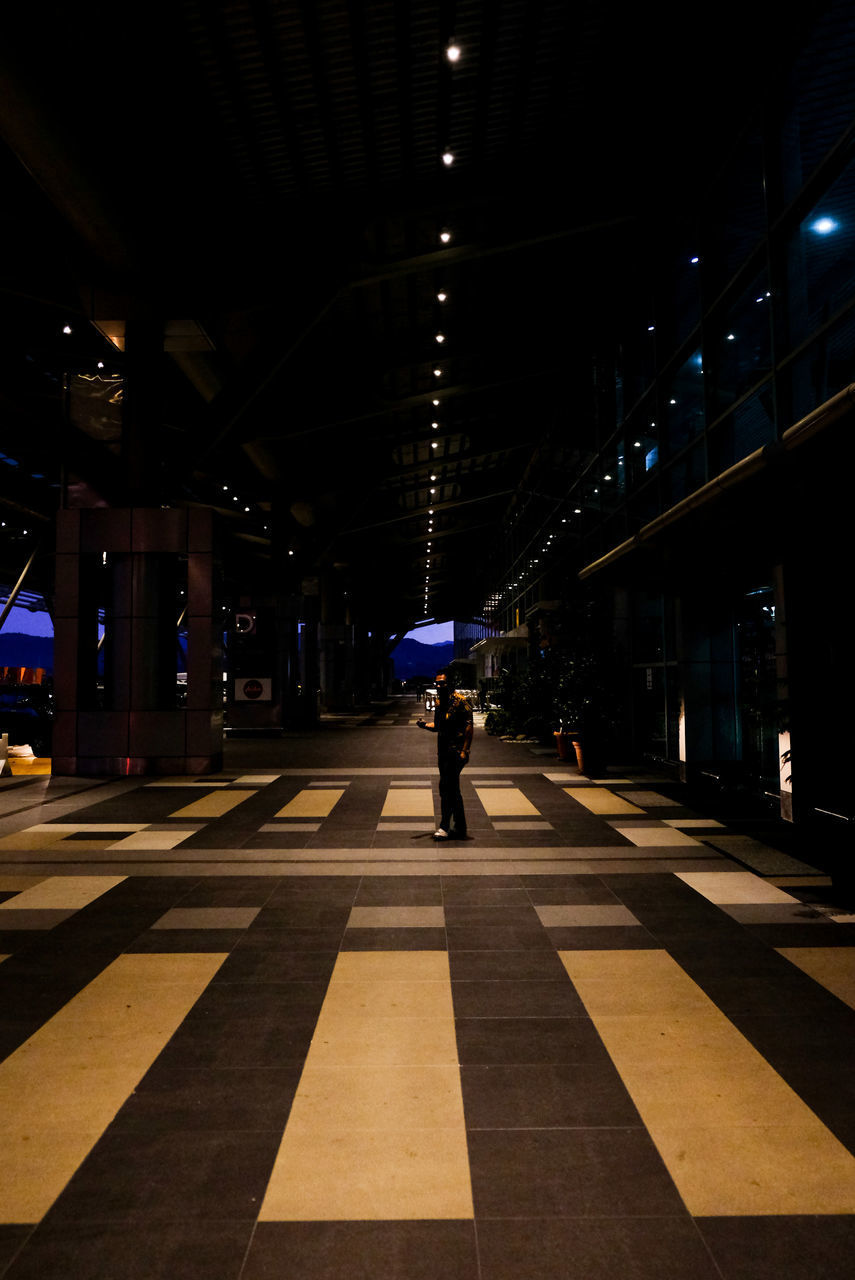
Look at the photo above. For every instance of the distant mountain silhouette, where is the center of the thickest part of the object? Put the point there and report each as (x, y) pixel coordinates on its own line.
(414, 660)
(19, 650)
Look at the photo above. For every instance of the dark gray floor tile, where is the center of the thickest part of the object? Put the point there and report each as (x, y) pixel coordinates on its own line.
(575, 891)
(263, 1002)
(394, 939)
(227, 891)
(781, 1038)
(161, 1177)
(531, 998)
(166, 941)
(560, 1173)
(495, 965)
(363, 1251)
(297, 939)
(613, 1248)
(465, 915)
(327, 889)
(12, 1240)
(401, 891)
(554, 1096)
(530, 1040)
(497, 937)
(303, 915)
(261, 956)
(210, 1099)
(180, 1250)
(248, 1042)
(602, 938)
(798, 1248)
(482, 895)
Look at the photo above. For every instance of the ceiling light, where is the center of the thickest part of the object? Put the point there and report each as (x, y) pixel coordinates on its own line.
(453, 52)
(650, 328)
(437, 373)
(607, 477)
(440, 337)
(434, 444)
(731, 337)
(448, 159)
(430, 512)
(100, 364)
(433, 477)
(445, 236)
(433, 490)
(694, 260)
(66, 328)
(435, 402)
(441, 297)
(577, 511)
(822, 226)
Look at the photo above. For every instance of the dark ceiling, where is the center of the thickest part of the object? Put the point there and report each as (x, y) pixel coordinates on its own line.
(257, 188)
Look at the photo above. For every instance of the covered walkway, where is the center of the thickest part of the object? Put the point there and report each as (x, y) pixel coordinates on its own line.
(259, 1024)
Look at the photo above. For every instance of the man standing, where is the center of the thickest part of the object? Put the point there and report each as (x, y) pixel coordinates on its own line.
(452, 724)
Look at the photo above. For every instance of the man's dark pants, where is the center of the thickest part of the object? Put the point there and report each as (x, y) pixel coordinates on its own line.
(450, 800)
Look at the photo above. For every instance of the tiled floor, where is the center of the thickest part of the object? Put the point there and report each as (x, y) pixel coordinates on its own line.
(261, 1025)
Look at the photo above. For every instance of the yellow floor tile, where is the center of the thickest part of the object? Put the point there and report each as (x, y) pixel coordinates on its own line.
(15, 884)
(601, 800)
(152, 840)
(37, 1164)
(388, 1097)
(734, 1136)
(505, 802)
(370, 1176)
(377, 966)
(369, 1139)
(317, 802)
(408, 802)
(62, 892)
(397, 998)
(213, 805)
(664, 1039)
(63, 1086)
(347, 1041)
(729, 887)
(649, 836)
(761, 1170)
(832, 967)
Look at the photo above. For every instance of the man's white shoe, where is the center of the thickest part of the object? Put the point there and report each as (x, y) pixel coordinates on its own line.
(439, 834)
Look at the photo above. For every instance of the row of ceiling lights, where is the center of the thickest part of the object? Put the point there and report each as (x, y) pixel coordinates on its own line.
(453, 53)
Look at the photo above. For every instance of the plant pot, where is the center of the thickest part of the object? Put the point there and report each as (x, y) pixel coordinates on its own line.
(589, 759)
(564, 743)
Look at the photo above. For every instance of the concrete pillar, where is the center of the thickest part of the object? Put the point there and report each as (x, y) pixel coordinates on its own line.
(119, 708)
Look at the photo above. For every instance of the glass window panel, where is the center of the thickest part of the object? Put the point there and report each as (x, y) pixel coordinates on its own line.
(821, 261)
(684, 403)
(742, 349)
(821, 97)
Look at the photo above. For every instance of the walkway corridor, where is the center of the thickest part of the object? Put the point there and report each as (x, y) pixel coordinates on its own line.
(259, 1024)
